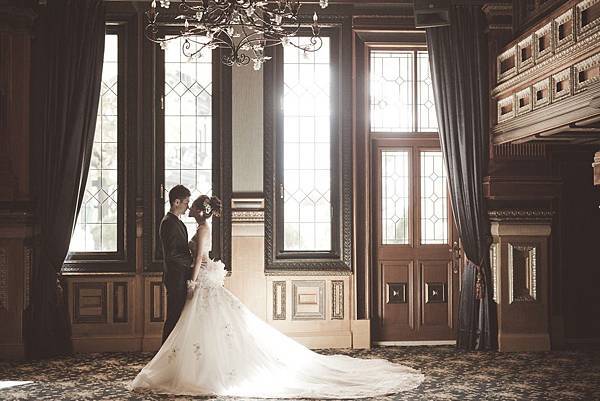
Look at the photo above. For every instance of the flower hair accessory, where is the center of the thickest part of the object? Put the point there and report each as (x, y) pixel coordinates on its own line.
(207, 206)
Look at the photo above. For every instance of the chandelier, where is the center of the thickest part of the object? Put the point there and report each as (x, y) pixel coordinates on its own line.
(244, 28)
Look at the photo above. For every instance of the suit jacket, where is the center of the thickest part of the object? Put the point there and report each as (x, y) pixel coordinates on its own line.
(177, 258)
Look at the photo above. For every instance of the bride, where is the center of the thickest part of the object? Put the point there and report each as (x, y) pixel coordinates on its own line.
(219, 348)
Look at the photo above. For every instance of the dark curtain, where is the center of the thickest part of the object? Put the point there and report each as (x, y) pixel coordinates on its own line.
(459, 69)
(67, 57)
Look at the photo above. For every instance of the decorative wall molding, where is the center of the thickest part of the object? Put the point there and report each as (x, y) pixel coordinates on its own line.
(561, 84)
(520, 215)
(561, 57)
(586, 73)
(308, 302)
(543, 42)
(27, 264)
(279, 300)
(3, 279)
(120, 304)
(337, 299)
(157, 307)
(90, 302)
(522, 272)
(526, 151)
(591, 26)
(247, 216)
(494, 268)
(564, 29)
(307, 273)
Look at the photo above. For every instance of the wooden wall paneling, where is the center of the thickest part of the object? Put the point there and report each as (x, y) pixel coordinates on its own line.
(90, 302)
(279, 300)
(436, 279)
(397, 313)
(337, 301)
(157, 302)
(308, 299)
(120, 302)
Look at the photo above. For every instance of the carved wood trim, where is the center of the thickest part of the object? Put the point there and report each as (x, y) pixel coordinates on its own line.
(565, 56)
(340, 257)
(279, 300)
(298, 315)
(551, 117)
(157, 316)
(78, 317)
(120, 299)
(531, 272)
(542, 216)
(337, 299)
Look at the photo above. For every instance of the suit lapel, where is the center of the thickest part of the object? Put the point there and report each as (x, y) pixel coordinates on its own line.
(182, 226)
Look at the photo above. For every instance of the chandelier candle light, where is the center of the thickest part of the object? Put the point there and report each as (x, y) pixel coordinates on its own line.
(244, 27)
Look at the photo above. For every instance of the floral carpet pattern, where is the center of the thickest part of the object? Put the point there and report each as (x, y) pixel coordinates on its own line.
(449, 375)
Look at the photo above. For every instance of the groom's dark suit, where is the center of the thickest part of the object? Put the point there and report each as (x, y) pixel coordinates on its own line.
(176, 266)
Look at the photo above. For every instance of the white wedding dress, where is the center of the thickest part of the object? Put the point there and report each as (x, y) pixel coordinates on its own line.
(219, 347)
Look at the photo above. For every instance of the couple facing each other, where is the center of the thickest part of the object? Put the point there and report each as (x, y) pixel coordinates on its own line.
(214, 346)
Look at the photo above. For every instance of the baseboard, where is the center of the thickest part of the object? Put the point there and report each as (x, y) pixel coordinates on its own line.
(106, 344)
(523, 342)
(12, 351)
(413, 343)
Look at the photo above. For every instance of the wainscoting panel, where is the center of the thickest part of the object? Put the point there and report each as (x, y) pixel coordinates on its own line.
(90, 303)
(126, 311)
(104, 314)
(308, 299)
(319, 305)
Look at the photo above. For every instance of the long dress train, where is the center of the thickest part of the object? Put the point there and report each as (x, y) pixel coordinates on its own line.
(219, 347)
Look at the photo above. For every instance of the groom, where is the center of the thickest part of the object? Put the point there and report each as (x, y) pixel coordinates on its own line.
(176, 255)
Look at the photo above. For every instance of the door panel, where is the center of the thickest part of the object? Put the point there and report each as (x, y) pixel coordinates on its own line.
(398, 293)
(436, 289)
(416, 287)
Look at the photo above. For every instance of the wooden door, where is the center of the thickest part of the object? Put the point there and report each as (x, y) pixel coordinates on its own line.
(415, 274)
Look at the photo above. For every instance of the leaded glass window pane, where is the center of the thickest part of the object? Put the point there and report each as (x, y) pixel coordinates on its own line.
(395, 197)
(96, 226)
(306, 148)
(434, 199)
(391, 91)
(425, 103)
(188, 123)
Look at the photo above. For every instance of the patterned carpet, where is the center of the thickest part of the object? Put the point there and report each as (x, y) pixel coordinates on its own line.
(450, 375)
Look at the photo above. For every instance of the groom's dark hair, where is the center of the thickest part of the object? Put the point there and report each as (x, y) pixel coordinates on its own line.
(178, 192)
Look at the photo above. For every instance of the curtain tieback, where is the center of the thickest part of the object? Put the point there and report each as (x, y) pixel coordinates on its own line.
(479, 282)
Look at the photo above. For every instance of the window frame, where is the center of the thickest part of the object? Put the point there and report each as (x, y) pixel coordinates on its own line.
(415, 48)
(153, 203)
(123, 260)
(339, 258)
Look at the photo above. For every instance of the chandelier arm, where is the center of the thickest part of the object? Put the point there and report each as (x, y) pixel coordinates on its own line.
(257, 24)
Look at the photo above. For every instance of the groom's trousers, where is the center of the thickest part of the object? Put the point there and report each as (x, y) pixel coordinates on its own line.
(176, 283)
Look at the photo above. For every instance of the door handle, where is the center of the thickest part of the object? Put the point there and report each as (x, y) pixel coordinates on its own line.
(456, 256)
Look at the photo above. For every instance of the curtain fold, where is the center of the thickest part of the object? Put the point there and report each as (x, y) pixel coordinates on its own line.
(459, 69)
(67, 58)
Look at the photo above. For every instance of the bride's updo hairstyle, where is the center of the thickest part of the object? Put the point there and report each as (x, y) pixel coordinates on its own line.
(209, 206)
